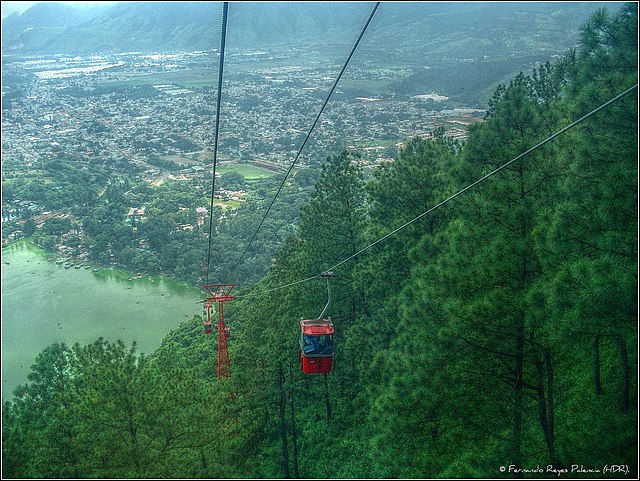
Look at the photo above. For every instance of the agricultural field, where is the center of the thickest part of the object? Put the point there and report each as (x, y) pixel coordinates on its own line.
(249, 172)
(187, 79)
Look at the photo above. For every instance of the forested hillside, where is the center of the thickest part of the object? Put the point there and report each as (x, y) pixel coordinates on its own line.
(498, 330)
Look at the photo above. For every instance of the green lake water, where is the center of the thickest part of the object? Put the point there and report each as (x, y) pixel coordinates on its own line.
(43, 303)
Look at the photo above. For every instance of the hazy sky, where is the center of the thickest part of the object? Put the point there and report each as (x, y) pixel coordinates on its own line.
(10, 7)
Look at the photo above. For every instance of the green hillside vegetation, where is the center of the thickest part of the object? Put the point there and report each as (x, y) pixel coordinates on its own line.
(499, 330)
(463, 81)
(247, 171)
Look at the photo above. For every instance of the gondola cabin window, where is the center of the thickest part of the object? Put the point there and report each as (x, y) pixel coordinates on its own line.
(322, 344)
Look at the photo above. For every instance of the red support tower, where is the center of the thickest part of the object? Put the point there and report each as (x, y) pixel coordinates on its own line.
(220, 293)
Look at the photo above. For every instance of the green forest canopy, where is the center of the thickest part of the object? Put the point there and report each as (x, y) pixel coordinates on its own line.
(499, 331)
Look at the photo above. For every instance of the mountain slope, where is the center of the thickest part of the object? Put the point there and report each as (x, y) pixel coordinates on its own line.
(43, 22)
(415, 29)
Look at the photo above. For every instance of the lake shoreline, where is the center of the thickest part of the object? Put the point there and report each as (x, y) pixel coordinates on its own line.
(43, 303)
(119, 272)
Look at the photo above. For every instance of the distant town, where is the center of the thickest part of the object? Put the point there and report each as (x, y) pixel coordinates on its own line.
(153, 115)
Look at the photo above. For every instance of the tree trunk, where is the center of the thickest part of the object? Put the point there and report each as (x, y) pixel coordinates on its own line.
(545, 404)
(596, 365)
(516, 440)
(203, 462)
(542, 404)
(518, 394)
(294, 434)
(327, 401)
(550, 403)
(624, 364)
(283, 424)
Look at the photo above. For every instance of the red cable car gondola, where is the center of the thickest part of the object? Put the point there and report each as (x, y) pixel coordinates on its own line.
(316, 345)
(316, 340)
(206, 318)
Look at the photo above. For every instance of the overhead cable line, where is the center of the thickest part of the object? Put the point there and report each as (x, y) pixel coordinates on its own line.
(335, 84)
(453, 196)
(223, 34)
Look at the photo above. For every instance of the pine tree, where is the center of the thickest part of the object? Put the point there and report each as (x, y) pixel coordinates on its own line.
(590, 241)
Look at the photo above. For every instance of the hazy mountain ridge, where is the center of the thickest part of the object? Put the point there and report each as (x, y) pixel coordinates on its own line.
(416, 29)
(462, 50)
(172, 26)
(37, 26)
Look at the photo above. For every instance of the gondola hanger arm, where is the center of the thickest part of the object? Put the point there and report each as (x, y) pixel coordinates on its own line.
(327, 275)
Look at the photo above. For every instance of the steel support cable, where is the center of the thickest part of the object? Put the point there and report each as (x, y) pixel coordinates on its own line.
(335, 84)
(223, 35)
(453, 196)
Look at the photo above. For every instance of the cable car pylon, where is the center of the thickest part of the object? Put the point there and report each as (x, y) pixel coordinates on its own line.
(218, 294)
